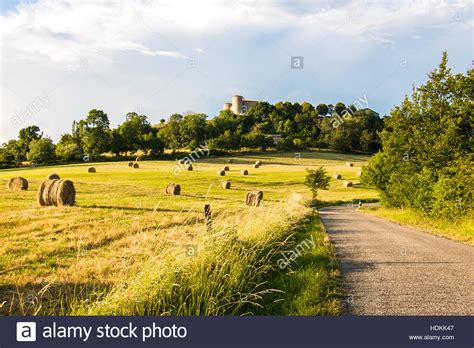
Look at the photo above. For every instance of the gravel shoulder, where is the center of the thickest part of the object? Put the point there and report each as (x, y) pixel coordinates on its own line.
(389, 269)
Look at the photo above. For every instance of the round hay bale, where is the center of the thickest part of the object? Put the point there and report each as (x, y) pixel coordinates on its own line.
(173, 189)
(189, 167)
(349, 164)
(230, 161)
(57, 193)
(348, 183)
(130, 164)
(66, 193)
(41, 195)
(337, 176)
(44, 192)
(244, 172)
(225, 185)
(52, 176)
(91, 170)
(18, 183)
(226, 168)
(136, 165)
(256, 165)
(253, 198)
(221, 173)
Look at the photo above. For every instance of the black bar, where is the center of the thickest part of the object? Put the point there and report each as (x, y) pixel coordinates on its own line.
(346, 331)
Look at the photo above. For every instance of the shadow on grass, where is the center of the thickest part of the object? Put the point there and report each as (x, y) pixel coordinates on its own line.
(127, 208)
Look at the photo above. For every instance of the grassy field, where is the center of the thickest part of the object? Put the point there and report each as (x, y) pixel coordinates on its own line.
(127, 248)
(460, 230)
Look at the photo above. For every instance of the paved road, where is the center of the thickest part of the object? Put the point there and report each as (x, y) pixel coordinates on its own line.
(390, 269)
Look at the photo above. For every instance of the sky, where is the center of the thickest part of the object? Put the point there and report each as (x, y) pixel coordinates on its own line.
(61, 58)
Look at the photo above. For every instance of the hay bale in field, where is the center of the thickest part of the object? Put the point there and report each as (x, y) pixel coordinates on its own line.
(18, 183)
(349, 164)
(91, 170)
(57, 193)
(256, 165)
(226, 168)
(130, 164)
(43, 192)
(189, 167)
(66, 193)
(173, 189)
(136, 165)
(52, 176)
(230, 161)
(348, 183)
(225, 185)
(253, 198)
(337, 176)
(221, 173)
(244, 172)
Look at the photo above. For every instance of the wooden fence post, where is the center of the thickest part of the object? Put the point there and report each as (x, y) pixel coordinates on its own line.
(207, 216)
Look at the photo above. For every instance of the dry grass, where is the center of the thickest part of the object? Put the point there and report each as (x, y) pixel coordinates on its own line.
(54, 258)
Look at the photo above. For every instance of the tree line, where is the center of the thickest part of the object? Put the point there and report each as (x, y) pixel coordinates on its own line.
(298, 126)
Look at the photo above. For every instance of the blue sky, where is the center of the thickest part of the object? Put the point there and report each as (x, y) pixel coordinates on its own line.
(9, 5)
(61, 58)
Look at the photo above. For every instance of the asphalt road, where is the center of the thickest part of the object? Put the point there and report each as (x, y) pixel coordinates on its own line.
(389, 269)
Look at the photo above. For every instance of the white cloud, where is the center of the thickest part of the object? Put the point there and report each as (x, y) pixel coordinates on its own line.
(118, 53)
(65, 31)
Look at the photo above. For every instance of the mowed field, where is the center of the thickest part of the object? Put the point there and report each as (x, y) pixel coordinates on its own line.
(127, 242)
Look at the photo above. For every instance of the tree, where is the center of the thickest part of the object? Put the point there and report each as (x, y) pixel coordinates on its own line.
(339, 108)
(26, 136)
(132, 132)
(94, 133)
(322, 109)
(153, 143)
(41, 151)
(68, 152)
(261, 111)
(317, 179)
(12, 152)
(256, 139)
(426, 159)
(170, 133)
(193, 130)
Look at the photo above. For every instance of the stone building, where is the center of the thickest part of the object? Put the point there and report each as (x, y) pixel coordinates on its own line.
(239, 105)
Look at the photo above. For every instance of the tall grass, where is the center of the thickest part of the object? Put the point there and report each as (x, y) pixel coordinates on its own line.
(226, 275)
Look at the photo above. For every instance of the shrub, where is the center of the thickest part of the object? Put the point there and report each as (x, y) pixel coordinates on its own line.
(317, 179)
